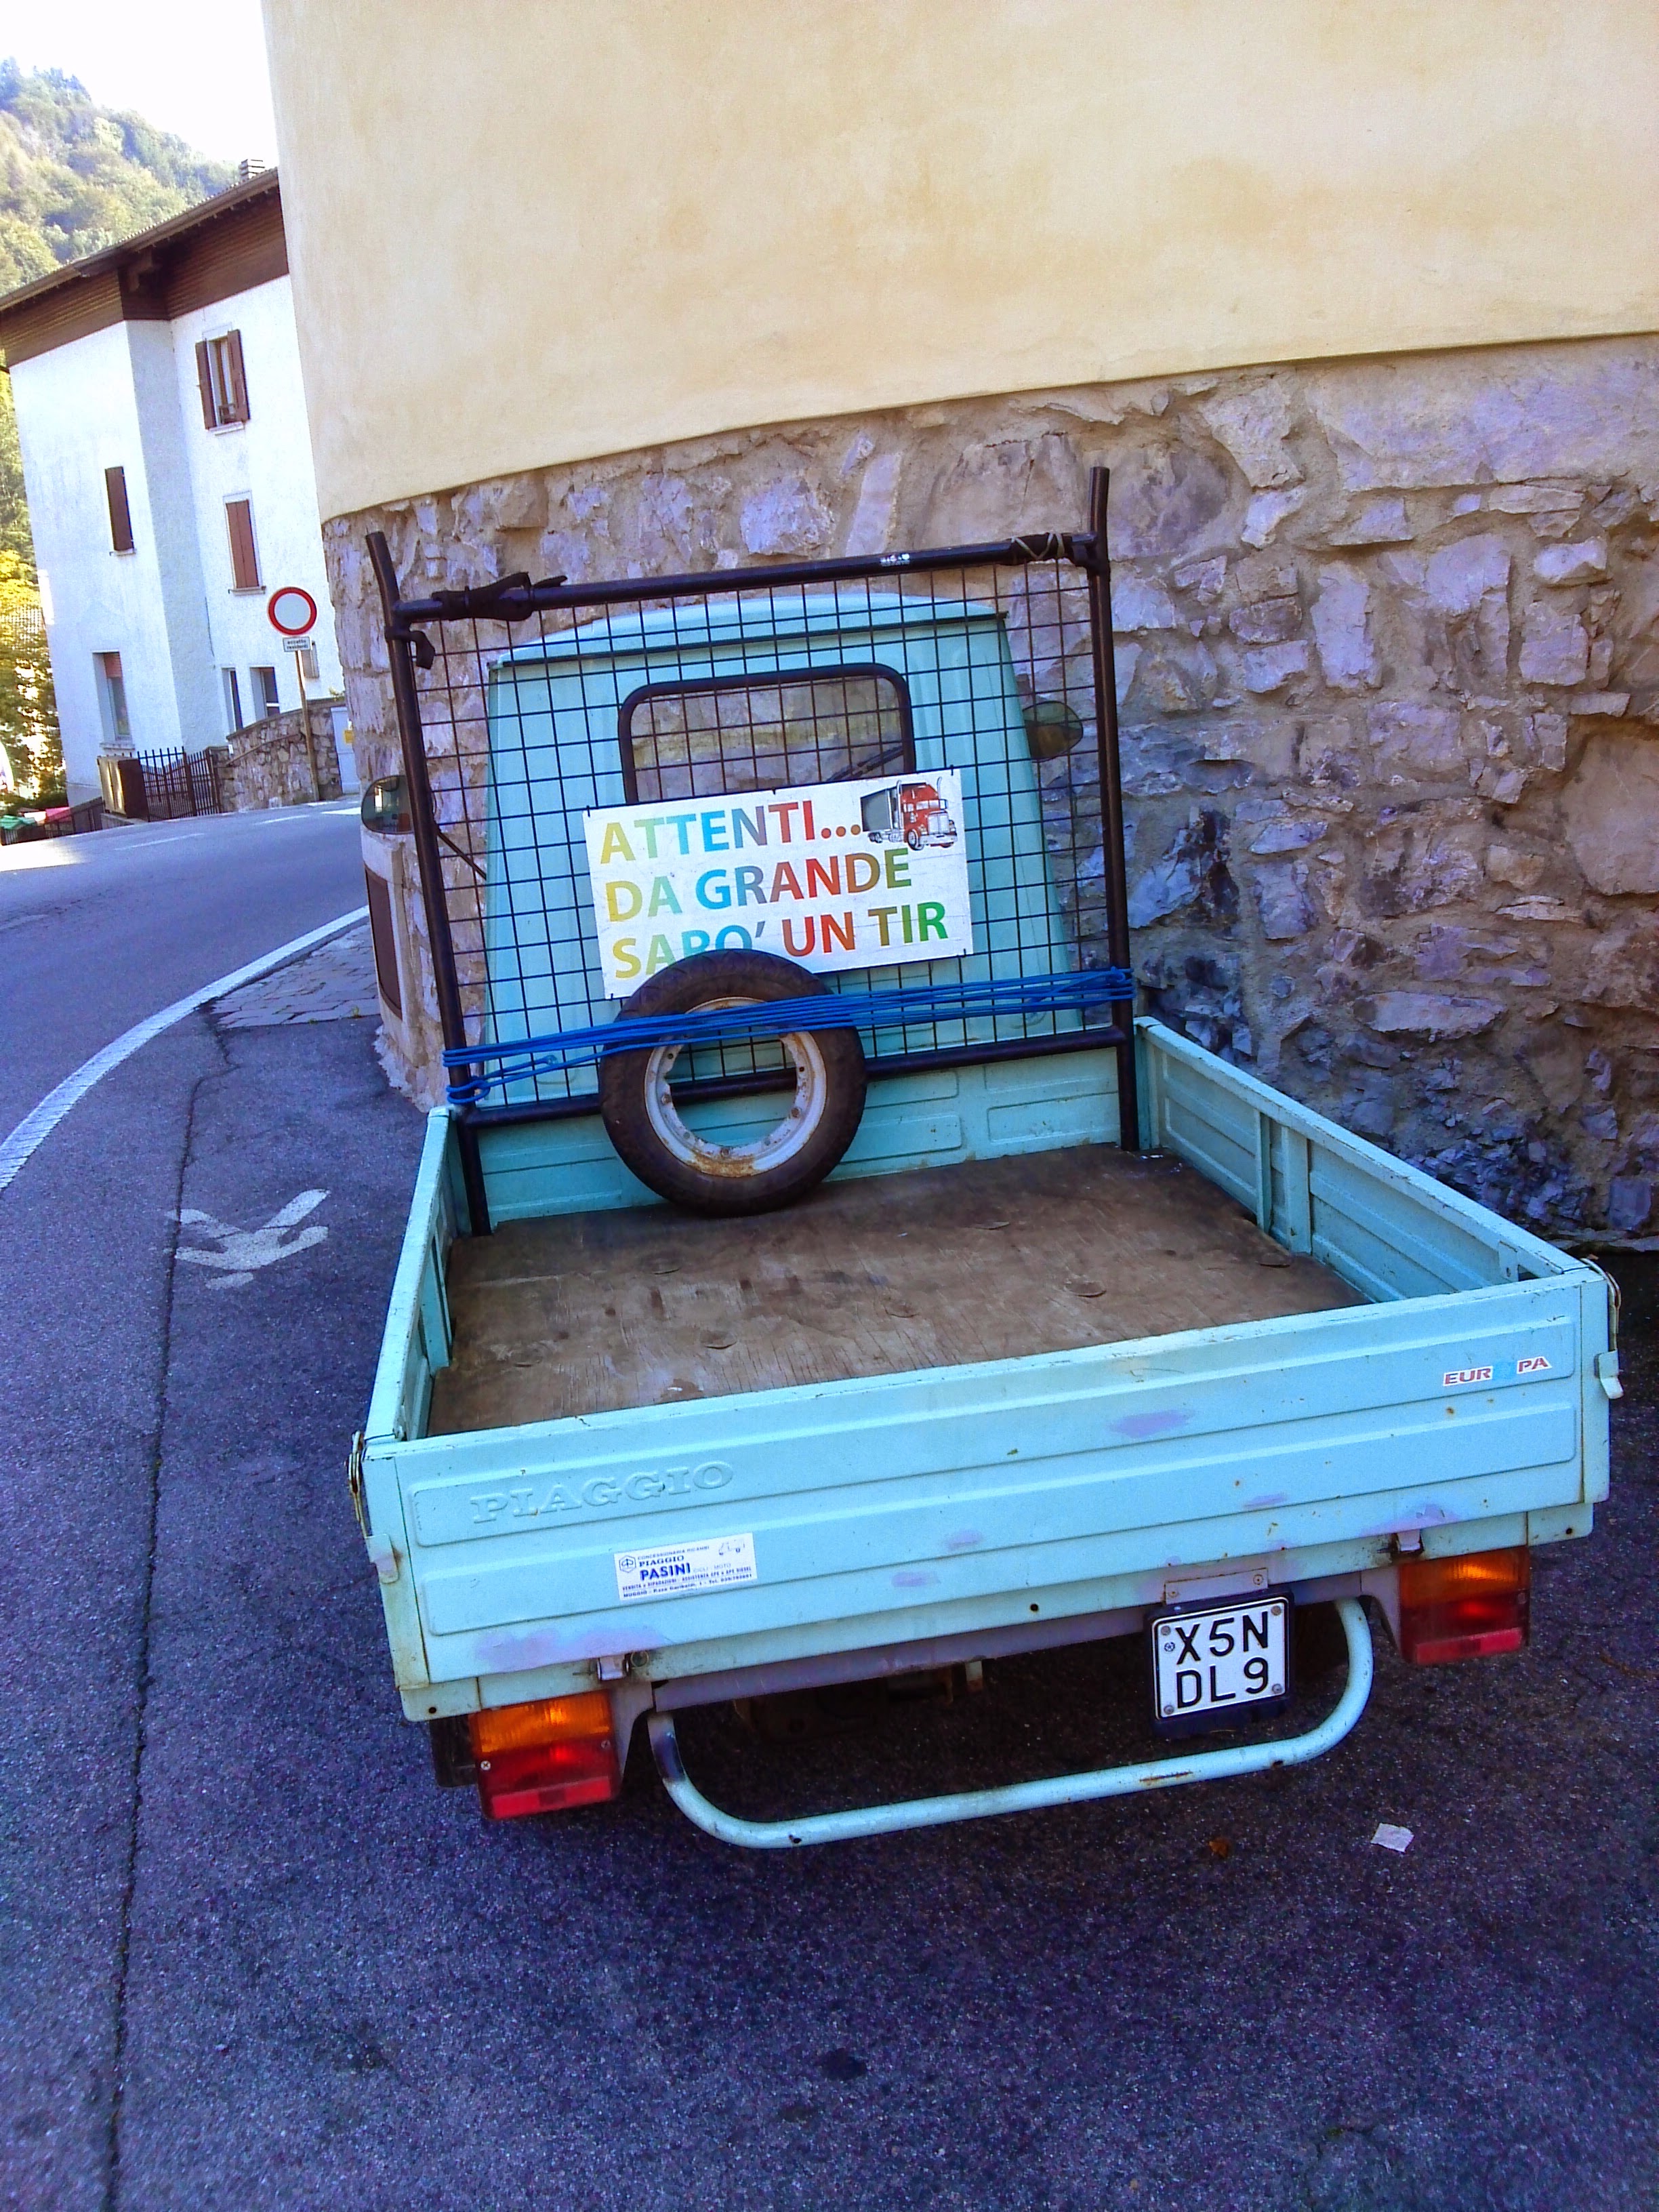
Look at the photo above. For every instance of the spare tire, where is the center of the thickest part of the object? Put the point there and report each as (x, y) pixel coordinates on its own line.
(644, 1123)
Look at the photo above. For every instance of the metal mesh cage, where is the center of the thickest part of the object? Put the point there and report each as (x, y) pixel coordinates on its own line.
(523, 706)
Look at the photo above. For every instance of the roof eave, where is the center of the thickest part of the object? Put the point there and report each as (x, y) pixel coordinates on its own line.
(117, 257)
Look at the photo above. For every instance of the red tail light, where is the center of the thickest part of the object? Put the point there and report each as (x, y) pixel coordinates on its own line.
(1473, 1607)
(546, 1757)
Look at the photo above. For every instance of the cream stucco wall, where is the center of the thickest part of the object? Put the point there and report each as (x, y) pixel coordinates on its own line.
(542, 230)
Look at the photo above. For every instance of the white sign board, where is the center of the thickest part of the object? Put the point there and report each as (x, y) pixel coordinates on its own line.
(828, 875)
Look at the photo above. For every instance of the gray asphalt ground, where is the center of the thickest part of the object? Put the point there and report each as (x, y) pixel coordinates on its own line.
(251, 1956)
(97, 932)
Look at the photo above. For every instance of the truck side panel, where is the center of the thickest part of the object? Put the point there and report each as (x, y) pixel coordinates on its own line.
(1383, 1226)
(417, 1329)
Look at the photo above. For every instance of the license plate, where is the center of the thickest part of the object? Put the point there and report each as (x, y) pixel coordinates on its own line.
(1215, 1665)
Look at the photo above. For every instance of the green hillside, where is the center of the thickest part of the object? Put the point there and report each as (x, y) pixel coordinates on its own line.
(76, 177)
(73, 179)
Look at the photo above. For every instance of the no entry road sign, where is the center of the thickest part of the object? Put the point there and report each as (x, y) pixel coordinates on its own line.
(292, 611)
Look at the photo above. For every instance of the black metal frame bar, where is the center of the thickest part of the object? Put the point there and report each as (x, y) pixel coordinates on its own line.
(511, 598)
(401, 652)
(1094, 560)
(514, 598)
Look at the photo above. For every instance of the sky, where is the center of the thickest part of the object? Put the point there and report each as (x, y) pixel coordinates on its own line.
(194, 67)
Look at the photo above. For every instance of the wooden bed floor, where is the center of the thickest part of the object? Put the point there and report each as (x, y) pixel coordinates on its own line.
(995, 1259)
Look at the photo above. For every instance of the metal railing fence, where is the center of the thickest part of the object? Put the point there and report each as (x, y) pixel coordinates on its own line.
(163, 785)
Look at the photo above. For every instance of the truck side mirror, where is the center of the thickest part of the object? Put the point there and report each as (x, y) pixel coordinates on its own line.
(386, 806)
(1052, 729)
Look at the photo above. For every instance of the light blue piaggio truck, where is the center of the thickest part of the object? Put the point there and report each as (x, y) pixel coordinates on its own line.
(818, 1274)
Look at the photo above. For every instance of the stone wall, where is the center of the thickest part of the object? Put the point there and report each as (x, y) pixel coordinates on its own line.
(1389, 678)
(271, 764)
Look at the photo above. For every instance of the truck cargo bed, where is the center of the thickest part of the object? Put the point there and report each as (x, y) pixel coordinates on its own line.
(988, 1397)
(940, 1267)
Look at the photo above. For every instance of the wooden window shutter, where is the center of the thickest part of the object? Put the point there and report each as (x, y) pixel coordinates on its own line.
(120, 515)
(244, 560)
(235, 377)
(205, 380)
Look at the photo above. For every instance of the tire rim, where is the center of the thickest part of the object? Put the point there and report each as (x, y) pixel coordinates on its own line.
(765, 1152)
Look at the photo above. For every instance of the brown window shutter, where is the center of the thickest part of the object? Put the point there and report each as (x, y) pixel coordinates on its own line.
(236, 376)
(120, 515)
(244, 560)
(205, 380)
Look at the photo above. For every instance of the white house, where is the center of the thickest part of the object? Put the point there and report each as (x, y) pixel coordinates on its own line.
(169, 467)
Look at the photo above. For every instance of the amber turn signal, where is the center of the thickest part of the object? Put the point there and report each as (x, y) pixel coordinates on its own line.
(547, 1720)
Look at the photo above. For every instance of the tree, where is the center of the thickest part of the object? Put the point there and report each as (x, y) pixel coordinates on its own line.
(76, 177)
(16, 536)
(28, 705)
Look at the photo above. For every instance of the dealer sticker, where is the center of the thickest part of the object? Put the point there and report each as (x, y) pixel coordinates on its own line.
(1454, 1375)
(680, 1570)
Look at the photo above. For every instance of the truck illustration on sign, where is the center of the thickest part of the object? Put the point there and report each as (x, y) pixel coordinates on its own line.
(912, 812)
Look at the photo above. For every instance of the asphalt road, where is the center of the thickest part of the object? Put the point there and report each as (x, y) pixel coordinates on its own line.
(251, 1956)
(96, 933)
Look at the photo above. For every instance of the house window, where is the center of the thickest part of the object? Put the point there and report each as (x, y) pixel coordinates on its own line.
(264, 681)
(244, 558)
(222, 381)
(113, 698)
(305, 656)
(233, 701)
(120, 513)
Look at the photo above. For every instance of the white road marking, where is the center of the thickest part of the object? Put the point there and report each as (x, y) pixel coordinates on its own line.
(36, 1127)
(242, 1251)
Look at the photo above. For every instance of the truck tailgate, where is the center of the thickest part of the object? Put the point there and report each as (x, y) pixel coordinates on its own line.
(962, 1496)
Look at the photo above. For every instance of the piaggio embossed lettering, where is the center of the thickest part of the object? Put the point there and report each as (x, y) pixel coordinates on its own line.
(502, 1508)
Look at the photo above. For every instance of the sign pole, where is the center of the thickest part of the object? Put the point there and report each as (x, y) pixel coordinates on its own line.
(292, 612)
(305, 723)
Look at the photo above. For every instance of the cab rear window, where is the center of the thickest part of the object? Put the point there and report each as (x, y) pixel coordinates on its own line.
(697, 739)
